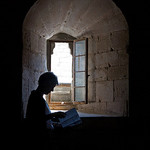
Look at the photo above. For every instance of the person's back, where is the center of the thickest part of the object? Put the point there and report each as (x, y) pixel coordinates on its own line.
(36, 111)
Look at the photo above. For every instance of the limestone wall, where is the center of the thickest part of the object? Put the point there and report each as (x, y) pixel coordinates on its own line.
(34, 63)
(108, 83)
(103, 23)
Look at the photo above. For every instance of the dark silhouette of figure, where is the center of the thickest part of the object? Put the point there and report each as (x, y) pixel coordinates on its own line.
(38, 115)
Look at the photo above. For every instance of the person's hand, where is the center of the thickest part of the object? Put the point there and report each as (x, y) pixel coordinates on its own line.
(57, 125)
(59, 115)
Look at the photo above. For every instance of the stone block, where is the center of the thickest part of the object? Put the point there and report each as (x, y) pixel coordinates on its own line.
(87, 108)
(107, 59)
(117, 23)
(25, 72)
(123, 57)
(101, 74)
(25, 58)
(101, 60)
(97, 108)
(103, 44)
(104, 91)
(91, 61)
(116, 107)
(27, 40)
(91, 74)
(32, 85)
(34, 42)
(59, 96)
(118, 73)
(91, 92)
(43, 63)
(119, 39)
(42, 45)
(36, 62)
(121, 90)
(62, 88)
(92, 45)
(100, 107)
(112, 58)
(36, 75)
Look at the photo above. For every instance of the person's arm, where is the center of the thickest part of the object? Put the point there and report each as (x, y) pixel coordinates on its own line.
(55, 115)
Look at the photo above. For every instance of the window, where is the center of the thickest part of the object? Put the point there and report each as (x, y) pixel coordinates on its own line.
(80, 71)
(68, 60)
(61, 62)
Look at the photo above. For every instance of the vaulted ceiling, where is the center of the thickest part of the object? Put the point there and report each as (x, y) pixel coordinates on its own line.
(74, 17)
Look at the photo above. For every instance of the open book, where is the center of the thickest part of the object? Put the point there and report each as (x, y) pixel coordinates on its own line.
(71, 119)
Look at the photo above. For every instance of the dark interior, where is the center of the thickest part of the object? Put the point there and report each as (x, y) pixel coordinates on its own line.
(119, 133)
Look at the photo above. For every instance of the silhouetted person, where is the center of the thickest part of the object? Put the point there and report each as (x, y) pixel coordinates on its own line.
(38, 115)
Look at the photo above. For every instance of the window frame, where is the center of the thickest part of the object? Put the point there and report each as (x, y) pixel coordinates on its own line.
(86, 70)
(49, 53)
(54, 105)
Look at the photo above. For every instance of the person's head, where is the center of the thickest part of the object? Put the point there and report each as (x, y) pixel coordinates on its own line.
(47, 82)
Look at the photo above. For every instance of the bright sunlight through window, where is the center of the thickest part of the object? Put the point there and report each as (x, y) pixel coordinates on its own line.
(61, 62)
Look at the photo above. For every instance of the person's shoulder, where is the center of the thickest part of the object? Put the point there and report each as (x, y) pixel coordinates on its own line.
(33, 94)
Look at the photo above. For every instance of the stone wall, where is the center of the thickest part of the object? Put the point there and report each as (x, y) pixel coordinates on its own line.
(34, 63)
(108, 83)
(104, 25)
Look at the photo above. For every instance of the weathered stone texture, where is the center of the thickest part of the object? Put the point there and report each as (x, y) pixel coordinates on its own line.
(118, 73)
(112, 58)
(104, 25)
(111, 72)
(104, 91)
(93, 108)
(91, 61)
(101, 74)
(119, 39)
(107, 59)
(121, 90)
(91, 91)
(116, 107)
(101, 60)
(91, 75)
(123, 57)
(103, 43)
(34, 60)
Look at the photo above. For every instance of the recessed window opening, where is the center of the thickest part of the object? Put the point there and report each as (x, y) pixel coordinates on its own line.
(61, 62)
(67, 59)
(61, 65)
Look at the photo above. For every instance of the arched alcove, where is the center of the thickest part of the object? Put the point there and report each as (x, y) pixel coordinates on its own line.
(105, 27)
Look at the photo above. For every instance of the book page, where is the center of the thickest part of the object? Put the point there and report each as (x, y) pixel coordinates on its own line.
(71, 119)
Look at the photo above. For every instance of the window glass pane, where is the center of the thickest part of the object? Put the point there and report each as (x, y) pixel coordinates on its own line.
(80, 63)
(80, 79)
(80, 48)
(79, 94)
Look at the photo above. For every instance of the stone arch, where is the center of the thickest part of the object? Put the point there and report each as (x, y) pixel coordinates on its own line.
(103, 23)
